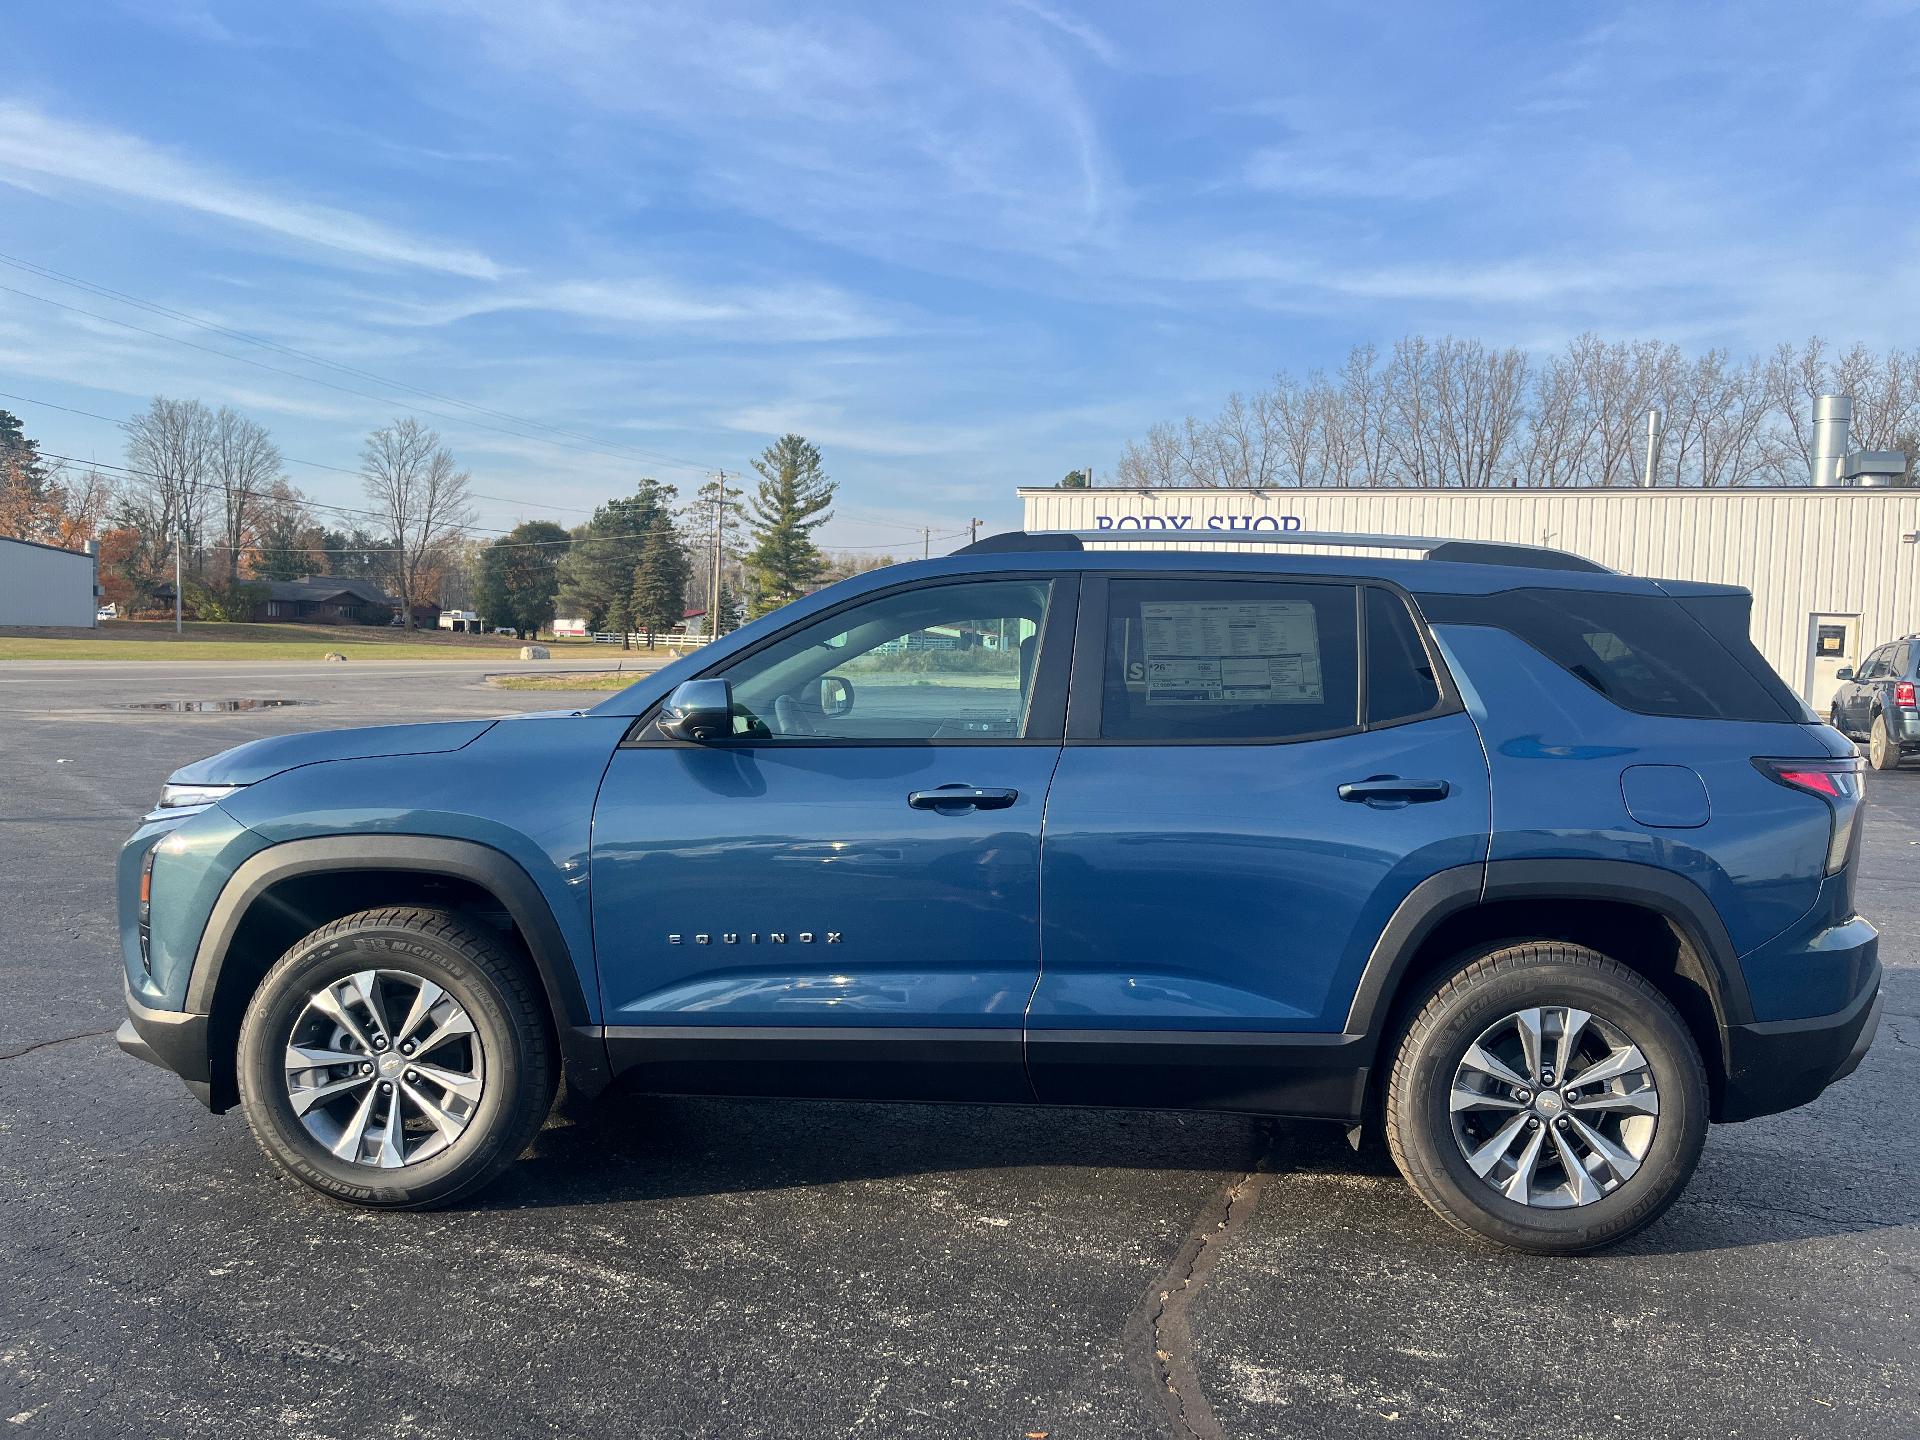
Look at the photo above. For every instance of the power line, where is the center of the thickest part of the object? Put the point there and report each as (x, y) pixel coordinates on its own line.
(316, 380)
(288, 459)
(154, 307)
(852, 519)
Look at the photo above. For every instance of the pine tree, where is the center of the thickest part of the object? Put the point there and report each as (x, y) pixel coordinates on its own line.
(519, 576)
(660, 581)
(29, 499)
(596, 577)
(791, 502)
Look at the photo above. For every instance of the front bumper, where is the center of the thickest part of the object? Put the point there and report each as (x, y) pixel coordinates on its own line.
(1774, 1065)
(174, 1040)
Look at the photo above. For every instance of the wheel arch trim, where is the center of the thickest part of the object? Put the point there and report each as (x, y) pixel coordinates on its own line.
(1466, 887)
(427, 855)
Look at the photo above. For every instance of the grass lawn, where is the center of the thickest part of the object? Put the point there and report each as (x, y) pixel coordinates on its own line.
(578, 680)
(155, 640)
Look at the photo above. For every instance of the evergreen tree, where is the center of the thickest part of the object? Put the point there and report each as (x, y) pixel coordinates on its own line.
(790, 504)
(519, 576)
(29, 499)
(596, 576)
(1073, 480)
(660, 581)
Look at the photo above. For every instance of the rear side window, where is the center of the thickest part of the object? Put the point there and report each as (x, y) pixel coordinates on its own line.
(1244, 660)
(1647, 653)
(1400, 678)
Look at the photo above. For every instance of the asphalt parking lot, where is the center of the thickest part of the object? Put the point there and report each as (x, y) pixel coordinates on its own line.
(731, 1269)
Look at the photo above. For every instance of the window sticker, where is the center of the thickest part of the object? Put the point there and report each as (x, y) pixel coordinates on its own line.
(1220, 653)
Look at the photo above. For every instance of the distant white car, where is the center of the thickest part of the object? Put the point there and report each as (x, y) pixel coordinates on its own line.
(107, 612)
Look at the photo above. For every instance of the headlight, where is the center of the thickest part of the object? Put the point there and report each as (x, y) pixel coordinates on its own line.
(193, 797)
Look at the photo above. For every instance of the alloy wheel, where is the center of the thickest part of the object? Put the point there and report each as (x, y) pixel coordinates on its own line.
(1554, 1107)
(384, 1068)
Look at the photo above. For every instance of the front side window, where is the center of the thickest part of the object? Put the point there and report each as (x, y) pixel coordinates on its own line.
(943, 662)
(1247, 660)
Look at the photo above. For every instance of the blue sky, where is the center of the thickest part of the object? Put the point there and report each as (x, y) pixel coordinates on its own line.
(961, 246)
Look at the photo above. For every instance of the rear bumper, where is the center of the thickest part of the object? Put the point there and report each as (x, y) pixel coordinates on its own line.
(172, 1039)
(1774, 1065)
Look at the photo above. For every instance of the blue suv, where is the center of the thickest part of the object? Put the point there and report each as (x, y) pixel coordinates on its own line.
(1531, 867)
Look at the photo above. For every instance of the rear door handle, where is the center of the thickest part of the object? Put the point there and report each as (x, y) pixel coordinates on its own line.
(951, 799)
(1391, 792)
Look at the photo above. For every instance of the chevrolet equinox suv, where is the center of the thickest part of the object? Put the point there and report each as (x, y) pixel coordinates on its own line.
(1534, 867)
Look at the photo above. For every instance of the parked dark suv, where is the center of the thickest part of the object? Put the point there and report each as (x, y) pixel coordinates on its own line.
(1878, 704)
(1535, 867)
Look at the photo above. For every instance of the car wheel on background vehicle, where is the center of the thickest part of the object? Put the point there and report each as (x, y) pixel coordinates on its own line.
(1547, 1098)
(1835, 719)
(1882, 750)
(396, 1058)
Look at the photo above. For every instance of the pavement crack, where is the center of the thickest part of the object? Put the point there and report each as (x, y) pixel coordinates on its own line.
(1158, 1339)
(43, 1044)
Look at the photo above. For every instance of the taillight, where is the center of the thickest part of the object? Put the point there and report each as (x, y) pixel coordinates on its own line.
(1835, 781)
(1903, 694)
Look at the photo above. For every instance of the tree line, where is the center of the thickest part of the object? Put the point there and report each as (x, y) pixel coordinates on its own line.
(1462, 413)
(206, 490)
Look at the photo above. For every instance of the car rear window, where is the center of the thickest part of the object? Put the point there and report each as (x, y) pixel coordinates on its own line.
(1229, 660)
(1646, 653)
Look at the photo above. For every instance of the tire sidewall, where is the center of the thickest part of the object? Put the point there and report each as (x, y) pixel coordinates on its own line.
(1646, 1020)
(268, 1026)
(1881, 749)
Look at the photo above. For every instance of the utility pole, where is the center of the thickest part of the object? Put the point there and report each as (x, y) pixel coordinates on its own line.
(974, 525)
(719, 553)
(926, 541)
(176, 581)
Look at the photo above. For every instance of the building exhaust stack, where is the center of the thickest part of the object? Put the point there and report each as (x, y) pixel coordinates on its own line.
(1832, 420)
(1653, 450)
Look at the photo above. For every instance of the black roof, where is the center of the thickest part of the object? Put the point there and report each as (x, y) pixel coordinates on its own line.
(315, 588)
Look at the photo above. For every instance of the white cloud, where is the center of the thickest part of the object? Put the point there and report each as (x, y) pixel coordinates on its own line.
(1074, 28)
(36, 147)
(796, 311)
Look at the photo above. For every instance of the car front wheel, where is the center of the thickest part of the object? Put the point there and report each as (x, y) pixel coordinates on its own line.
(396, 1058)
(1547, 1098)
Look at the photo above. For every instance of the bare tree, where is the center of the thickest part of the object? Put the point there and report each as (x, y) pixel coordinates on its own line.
(245, 461)
(421, 495)
(170, 452)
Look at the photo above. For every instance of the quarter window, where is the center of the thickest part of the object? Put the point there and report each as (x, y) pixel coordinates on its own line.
(1243, 660)
(1400, 678)
(942, 662)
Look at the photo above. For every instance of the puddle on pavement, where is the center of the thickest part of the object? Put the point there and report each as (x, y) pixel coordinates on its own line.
(209, 707)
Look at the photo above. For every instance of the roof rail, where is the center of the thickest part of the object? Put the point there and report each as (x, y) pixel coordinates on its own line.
(1432, 547)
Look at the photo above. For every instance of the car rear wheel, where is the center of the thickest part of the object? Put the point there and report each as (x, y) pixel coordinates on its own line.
(396, 1058)
(1882, 750)
(1547, 1098)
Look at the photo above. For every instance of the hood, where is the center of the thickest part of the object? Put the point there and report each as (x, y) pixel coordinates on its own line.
(257, 759)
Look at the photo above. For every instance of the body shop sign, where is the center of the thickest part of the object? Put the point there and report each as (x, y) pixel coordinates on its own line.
(1195, 522)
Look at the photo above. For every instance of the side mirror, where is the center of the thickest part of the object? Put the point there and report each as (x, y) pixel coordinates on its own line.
(835, 697)
(1845, 672)
(698, 710)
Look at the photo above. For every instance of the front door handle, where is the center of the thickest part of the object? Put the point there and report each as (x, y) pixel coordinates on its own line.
(952, 799)
(1390, 791)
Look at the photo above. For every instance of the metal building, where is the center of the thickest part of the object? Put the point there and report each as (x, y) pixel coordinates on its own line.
(45, 585)
(1832, 568)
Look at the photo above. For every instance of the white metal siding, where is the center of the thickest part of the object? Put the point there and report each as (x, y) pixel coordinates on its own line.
(1800, 551)
(43, 586)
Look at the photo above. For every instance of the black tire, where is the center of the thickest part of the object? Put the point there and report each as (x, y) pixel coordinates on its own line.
(478, 970)
(1837, 721)
(1420, 1123)
(1883, 751)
